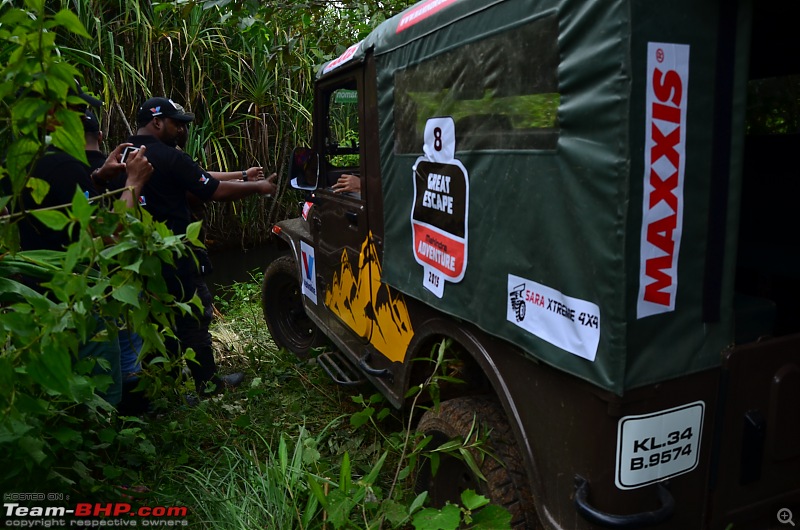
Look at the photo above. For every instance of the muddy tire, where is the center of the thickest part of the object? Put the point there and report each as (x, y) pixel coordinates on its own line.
(282, 302)
(506, 483)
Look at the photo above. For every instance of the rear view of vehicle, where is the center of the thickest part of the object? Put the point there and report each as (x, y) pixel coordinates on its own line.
(593, 203)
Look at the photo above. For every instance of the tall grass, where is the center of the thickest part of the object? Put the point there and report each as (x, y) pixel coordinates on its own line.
(257, 488)
(245, 69)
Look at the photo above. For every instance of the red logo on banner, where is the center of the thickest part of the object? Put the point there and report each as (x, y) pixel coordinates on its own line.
(421, 12)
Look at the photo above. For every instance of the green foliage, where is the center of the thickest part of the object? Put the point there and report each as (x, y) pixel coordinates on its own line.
(60, 309)
(375, 504)
(475, 513)
(289, 449)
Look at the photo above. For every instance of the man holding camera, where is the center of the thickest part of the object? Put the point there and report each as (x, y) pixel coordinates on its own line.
(161, 124)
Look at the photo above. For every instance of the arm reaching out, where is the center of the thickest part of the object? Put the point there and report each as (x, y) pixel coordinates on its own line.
(230, 190)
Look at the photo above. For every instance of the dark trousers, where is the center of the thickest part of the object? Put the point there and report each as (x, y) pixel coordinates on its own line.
(191, 329)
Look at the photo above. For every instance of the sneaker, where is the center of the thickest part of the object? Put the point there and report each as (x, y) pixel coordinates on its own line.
(221, 383)
(191, 399)
(232, 380)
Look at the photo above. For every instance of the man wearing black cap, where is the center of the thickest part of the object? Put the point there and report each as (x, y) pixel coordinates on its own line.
(161, 124)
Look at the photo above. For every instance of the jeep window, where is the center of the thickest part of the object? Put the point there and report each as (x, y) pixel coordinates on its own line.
(502, 92)
(341, 141)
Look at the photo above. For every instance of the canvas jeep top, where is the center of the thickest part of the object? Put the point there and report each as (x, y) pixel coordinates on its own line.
(594, 203)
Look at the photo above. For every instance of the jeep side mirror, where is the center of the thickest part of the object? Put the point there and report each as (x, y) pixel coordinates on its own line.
(304, 169)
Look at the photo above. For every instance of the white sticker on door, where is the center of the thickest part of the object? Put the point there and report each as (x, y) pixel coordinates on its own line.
(308, 268)
(441, 208)
(570, 323)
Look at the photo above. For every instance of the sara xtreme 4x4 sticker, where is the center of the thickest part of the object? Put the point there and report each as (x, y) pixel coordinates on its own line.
(441, 204)
(570, 323)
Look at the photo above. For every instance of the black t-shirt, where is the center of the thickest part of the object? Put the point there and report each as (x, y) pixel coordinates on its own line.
(96, 159)
(175, 174)
(65, 174)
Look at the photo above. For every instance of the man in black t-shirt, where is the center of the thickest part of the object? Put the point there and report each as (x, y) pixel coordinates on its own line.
(161, 124)
(65, 175)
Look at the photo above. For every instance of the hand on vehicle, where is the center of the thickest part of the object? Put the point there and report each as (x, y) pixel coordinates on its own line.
(347, 183)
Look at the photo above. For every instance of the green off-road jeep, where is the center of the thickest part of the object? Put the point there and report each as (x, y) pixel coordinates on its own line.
(595, 203)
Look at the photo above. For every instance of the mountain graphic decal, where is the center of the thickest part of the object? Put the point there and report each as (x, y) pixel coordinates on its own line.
(370, 308)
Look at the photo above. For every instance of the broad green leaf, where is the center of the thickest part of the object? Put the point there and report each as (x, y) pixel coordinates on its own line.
(112, 472)
(361, 417)
(34, 447)
(448, 518)
(492, 517)
(81, 208)
(340, 505)
(39, 189)
(36, 6)
(128, 294)
(52, 219)
(52, 371)
(70, 21)
(418, 502)
(193, 233)
(66, 435)
(28, 115)
(394, 512)
(68, 135)
(472, 501)
(14, 429)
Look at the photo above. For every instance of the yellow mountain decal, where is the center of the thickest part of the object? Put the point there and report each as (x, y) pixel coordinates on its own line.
(369, 307)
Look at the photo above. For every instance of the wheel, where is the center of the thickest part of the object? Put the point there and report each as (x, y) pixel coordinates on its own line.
(506, 483)
(282, 302)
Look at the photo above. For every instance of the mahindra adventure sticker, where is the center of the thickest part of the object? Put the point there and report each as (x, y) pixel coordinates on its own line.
(664, 169)
(654, 447)
(569, 323)
(440, 211)
(308, 269)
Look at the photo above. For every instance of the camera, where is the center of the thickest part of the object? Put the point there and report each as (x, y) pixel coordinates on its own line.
(128, 150)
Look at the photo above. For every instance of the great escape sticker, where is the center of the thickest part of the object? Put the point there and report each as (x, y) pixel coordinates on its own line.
(440, 211)
(654, 447)
(569, 323)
